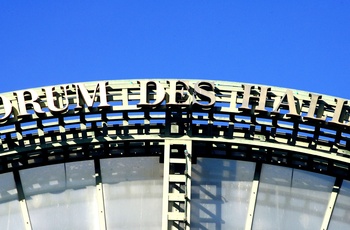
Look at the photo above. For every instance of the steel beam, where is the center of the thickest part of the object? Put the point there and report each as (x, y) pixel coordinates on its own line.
(253, 197)
(22, 201)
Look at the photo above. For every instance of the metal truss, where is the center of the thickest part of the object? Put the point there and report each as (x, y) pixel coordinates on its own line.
(223, 131)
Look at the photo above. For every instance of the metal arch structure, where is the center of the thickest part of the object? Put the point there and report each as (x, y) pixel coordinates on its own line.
(178, 121)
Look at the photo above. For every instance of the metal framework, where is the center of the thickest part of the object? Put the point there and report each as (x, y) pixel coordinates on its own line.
(178, 135)
(177, 185)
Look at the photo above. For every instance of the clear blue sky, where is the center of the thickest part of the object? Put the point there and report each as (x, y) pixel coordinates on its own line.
(295, 44)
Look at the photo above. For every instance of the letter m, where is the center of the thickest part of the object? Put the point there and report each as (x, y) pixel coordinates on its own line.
(83, 95)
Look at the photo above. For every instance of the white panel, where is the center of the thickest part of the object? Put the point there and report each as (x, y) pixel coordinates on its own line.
(341, 214)
(133, 192)
(220, 193)
(61, 196)
(291, 199)
(10, 212)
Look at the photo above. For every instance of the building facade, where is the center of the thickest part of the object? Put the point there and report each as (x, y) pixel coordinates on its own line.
(173, 154)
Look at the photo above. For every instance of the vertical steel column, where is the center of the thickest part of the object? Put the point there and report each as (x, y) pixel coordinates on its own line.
(331, 204)
(253, 196)
(177, 186)
(22, 201)
(99, 191)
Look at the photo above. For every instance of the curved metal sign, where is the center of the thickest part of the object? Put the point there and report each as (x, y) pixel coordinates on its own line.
(204, 94)
(262, 117)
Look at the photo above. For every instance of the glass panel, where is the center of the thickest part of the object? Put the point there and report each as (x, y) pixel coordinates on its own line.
(133, 192)
(66, 191)
(10, 210)
(291, 198)
(341, 213)
(220, 193)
